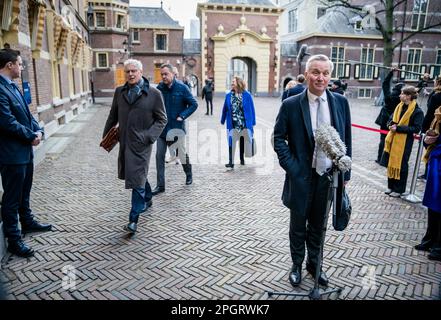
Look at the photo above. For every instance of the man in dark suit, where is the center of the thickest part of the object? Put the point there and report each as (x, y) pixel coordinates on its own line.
(307, 168)
(19, 132)
(298, 88)
(179, 105)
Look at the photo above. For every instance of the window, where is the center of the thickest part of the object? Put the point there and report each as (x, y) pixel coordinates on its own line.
(100, 19)
(365, 93)
(413, 63)
(120, 21)
(135, 35)
(161, 42)
(292, 20)
(366, 67)
(337, 57)
(419, 14)
(101, 59)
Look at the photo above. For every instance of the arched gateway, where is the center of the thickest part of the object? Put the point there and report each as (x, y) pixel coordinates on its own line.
(240, 39)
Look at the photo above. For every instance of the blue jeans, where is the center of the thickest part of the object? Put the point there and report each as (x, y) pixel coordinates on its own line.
(140, 198)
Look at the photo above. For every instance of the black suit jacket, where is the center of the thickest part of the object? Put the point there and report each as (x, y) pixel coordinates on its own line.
(294, 143)
(17, 127)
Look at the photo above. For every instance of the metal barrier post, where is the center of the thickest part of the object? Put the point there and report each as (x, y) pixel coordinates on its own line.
(411, 197)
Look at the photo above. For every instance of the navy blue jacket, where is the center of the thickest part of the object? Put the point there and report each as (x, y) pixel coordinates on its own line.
(17, 127)
(179, 102)
(294, 143)
(298, 88)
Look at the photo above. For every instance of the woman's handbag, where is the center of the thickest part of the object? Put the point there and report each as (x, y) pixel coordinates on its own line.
(110, 139)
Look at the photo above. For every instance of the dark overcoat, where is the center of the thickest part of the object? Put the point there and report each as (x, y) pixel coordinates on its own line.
(140, 125)
(294, 143)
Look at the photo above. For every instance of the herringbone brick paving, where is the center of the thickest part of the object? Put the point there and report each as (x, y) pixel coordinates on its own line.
(224, 237)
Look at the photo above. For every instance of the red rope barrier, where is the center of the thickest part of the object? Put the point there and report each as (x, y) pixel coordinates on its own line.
(415, 136)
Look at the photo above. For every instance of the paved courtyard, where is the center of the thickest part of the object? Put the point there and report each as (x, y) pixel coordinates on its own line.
(224, 237)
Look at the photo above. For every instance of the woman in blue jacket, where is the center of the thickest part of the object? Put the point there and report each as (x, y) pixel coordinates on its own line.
(238, 112)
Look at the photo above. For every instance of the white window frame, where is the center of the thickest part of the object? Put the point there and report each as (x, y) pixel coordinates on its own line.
(367, 69)
(98, 54)
(96, 20)
(118, 16)
(133, 35)
(437, 65)
(412, 64)
(293, 20)
(419, 14)
(166, 39)
(339, 63)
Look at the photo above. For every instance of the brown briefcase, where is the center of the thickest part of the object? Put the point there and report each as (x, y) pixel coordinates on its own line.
(110, 139)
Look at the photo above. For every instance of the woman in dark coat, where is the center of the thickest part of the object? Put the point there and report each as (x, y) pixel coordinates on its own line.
(239, 113)
(403, 124)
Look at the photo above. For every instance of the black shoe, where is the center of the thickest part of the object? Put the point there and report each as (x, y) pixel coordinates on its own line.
(295, 277)
(435, 254)
(242, 162)
(158, 190)
(131, 227)
(377, 161)
(36, 226)
(147, 205)
(322, 280)
(229, 165)
(207, 114)
(189, 179)
(19, 248)
(388, 191)
(423, 246)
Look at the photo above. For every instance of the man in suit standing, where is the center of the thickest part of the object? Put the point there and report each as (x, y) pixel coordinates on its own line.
(179, 105)
(19, 132)
(307, 168)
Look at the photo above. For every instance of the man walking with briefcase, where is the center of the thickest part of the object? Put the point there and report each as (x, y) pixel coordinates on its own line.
(139, 111)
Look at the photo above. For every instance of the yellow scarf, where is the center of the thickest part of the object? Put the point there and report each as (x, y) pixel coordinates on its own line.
(396, 142)
(435, 128)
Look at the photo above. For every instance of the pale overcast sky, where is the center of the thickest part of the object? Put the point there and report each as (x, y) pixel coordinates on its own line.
(180, 10)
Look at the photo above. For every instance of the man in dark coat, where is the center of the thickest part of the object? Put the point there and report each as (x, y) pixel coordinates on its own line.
(19, 132)
(207, 93)
(298, 88)
(179, 105)
(307, 169)
(139, 111)
(391, 100)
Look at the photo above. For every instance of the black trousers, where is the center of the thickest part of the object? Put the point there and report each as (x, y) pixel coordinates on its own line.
(308, 227)
(381, 146)
(17, 184)
(433, 232)
(209, 101)
(241, 151)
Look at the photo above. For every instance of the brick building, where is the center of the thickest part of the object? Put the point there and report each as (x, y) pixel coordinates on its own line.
(109, 31)
(342, 35)
(52, 37)
(241, 37)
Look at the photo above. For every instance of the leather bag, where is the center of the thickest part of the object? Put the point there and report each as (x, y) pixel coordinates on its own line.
(340, 218)
(110, 139)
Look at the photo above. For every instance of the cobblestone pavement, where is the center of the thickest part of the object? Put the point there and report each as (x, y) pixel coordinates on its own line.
(224, 237)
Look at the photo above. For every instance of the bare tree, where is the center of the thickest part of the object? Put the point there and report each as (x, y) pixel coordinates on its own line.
(384, 19)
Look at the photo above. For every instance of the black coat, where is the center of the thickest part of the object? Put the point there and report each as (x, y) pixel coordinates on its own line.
(433, 103)
(294, 143)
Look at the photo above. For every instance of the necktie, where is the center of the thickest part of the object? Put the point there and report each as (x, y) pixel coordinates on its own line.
(320, 159)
